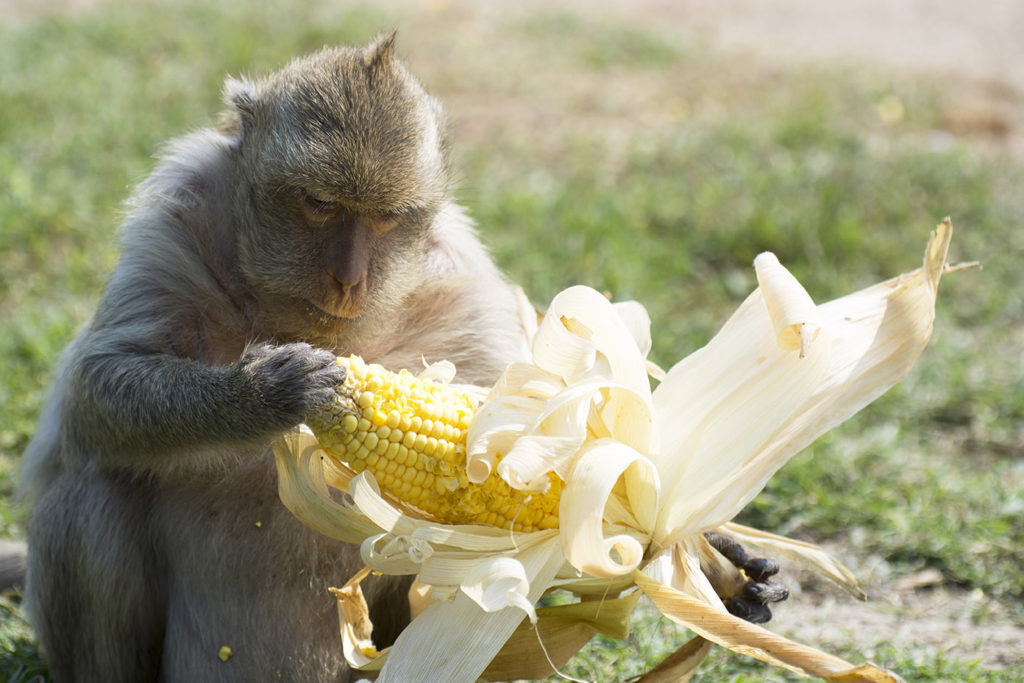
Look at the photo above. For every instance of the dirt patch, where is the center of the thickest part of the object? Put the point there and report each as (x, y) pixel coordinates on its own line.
(34, 8)
(908, 612)
(974, 50)
(971, 52)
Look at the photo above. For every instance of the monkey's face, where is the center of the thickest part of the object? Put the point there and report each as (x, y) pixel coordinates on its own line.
(321, 264)
(342, 172)
(349, 239)
(345, 262)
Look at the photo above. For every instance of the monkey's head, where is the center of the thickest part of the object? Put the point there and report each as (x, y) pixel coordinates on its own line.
(342, 171)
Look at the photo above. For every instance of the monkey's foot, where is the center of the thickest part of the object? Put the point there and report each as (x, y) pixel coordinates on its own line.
(753, 599)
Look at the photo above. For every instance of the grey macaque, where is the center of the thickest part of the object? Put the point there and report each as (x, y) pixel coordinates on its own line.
(317, 220)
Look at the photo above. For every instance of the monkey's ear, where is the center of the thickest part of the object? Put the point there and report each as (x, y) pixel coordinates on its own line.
(241, 95)
(381, 51)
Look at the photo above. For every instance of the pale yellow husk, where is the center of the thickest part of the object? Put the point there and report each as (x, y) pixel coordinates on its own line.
(646, 474)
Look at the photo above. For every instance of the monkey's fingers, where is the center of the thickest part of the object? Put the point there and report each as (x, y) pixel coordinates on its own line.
(754, 612)
(290, 379)
(728, 546)
(751, 603)
(760, 568)
(764, 592)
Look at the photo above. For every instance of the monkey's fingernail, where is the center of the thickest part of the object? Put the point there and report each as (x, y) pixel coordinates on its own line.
(760, 568)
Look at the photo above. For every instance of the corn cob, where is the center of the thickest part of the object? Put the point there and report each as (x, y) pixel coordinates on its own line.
(411, 435)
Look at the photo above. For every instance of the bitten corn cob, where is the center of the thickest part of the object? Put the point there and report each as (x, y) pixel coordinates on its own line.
(411, 435)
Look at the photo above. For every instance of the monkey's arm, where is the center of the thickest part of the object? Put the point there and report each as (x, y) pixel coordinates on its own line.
(125, 404)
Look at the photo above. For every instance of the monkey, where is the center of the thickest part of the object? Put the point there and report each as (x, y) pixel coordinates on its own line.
(316, 220)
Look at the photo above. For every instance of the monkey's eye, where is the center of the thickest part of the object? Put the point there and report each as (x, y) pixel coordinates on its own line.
(317, 207)
(389, 220)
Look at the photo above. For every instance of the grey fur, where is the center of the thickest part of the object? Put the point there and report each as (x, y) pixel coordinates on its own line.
(156, 534)
(13, 564)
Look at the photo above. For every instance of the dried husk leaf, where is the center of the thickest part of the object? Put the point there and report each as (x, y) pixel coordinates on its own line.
(722, 574)
(811, 556)
(718, 408)
(877, 334)
(581, 512)
(874, 336)
(495, 583)
(610, 336)
(419, 598)
(303, 473)
(789, 305)
(749, 639)
(563, 630)
(681, 665)
(634, 315)
(499, 422)
(456, 640)
(356, 627)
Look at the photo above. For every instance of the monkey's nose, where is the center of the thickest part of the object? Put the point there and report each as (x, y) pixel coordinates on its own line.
(346, 283)
(350, 293)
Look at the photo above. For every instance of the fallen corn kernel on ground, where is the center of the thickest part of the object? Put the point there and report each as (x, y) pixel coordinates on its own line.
(411, 436)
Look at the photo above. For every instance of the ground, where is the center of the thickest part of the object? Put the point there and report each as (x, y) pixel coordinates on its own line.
(974, 49)
(977, 46)
(913, 610)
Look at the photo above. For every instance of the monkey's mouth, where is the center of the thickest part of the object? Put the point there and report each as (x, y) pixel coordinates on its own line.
(340, 302)
(347, 312)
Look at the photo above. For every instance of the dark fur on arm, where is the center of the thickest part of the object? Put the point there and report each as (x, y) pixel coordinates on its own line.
(151, 402)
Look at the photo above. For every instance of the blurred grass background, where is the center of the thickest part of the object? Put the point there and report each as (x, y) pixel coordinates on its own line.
(633, 157)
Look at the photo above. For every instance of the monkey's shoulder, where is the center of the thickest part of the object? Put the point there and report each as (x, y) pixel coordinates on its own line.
(192, 184)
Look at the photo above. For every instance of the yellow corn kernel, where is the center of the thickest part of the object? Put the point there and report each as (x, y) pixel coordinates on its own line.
(411, 436)
(371, 440)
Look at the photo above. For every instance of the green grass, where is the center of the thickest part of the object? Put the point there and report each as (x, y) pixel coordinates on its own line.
(665, 198)
(19, 656)
(653, 638)
(599, 45)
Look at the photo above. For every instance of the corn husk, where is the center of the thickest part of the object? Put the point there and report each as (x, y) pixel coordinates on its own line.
(646, 472)
(539, 650)
(681, 665)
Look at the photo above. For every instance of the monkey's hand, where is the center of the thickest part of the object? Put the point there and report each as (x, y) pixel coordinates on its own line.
(750, 600)
(290, 380)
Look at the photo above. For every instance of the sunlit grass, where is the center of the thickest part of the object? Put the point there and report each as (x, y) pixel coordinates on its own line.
(666, 207)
